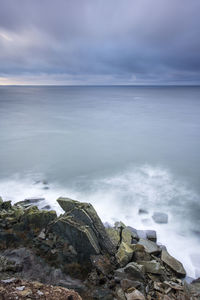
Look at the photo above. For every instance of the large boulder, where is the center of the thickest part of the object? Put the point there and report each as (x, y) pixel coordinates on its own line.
(173, 263)
(124, 254)
(160, 218)
(150, 247)
(78, 214)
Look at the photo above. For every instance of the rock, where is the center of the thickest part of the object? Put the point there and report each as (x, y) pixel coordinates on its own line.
(147, 234)
(5, 205)
(142, 211)
(84, 213)
(127, 283)
(35, 218)
(173, 263)
(124, 254)
(135, 295)
(150, 247)
(140, 253)
(46, 207)
(151, 235)
(132, 271)
(120, 294)
(102, 263)
(1, 200)
(134, 232)
(152, 266)
(160, 218)
(29, 201)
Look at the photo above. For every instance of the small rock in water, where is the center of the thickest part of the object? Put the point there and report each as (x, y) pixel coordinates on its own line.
(142, 211)
(46, 188)
(160, 218)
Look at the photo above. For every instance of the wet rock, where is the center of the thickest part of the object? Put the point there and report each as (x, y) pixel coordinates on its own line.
(85, 213)
(150, 247)
(135, 295)
(160, 218)
(29, 201)
(151, 235)
(124, 254)
(142, 211)
(152, 266)
(173, 263)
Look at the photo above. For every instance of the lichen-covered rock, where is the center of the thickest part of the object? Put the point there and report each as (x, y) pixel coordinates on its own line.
(124, 254)
(173, 263)
(84, 214)
(152, 266)
(132, 271)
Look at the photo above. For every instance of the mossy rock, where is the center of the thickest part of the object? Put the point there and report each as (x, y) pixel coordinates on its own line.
(35, 218)
(124, 254)
(5, 205)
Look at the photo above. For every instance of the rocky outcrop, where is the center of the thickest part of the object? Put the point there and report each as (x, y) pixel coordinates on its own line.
(75, 250)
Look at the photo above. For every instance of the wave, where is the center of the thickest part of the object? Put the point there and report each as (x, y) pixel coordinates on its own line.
(120, 196)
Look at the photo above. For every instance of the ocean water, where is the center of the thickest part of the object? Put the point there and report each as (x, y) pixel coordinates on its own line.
(120, 148)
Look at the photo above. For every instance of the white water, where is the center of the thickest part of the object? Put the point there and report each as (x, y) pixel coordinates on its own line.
(119, 197)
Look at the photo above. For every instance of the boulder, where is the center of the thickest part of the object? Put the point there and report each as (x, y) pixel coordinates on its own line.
(124, 254)
(135, 295)
(173, 263)
(132, 271)
(5, 205)
(150, 247)
(84, 214)
(1, 200)
(152, 266)
(160, 218)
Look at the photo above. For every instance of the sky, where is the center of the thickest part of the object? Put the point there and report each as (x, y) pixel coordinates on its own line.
(99, 42)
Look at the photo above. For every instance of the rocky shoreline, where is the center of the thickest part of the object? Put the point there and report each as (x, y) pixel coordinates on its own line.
(45, 256)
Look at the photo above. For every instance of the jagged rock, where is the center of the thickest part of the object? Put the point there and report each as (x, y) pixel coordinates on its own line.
(124, 254)
(113, 235)
(135, 295)
(81, 237)
(150, 247)
(1, 200)
(160, 218)
(147, 234)
(134, 233)
(173, 263)
(131, 271)
(28, 202)
(152, 266)
(102, 263)
(140, 253)
(5, 205)
(85, 213)
(35, 218)
(127, 283)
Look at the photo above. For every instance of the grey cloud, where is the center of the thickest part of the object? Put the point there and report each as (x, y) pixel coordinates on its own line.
(131, 41)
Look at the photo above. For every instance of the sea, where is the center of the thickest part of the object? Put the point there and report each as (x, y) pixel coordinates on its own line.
(121, 148)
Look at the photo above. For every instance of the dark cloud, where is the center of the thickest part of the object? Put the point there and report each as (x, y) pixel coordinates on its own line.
(98, 41)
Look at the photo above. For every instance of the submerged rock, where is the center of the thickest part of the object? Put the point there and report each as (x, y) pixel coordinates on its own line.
(160, 218)
(173, 263)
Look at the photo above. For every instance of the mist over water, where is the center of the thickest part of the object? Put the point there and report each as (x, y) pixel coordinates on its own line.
(120, 148)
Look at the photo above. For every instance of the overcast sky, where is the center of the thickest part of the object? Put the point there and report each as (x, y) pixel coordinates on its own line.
(99, 42)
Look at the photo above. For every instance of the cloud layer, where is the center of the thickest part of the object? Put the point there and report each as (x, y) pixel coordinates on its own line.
(100, 42)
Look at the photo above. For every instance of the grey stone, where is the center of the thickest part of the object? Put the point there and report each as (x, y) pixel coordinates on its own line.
(149, 246)
(173, 263)
(84, 214)
(142, 211)
(131, 271)
(160, 218)
(152, 266)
